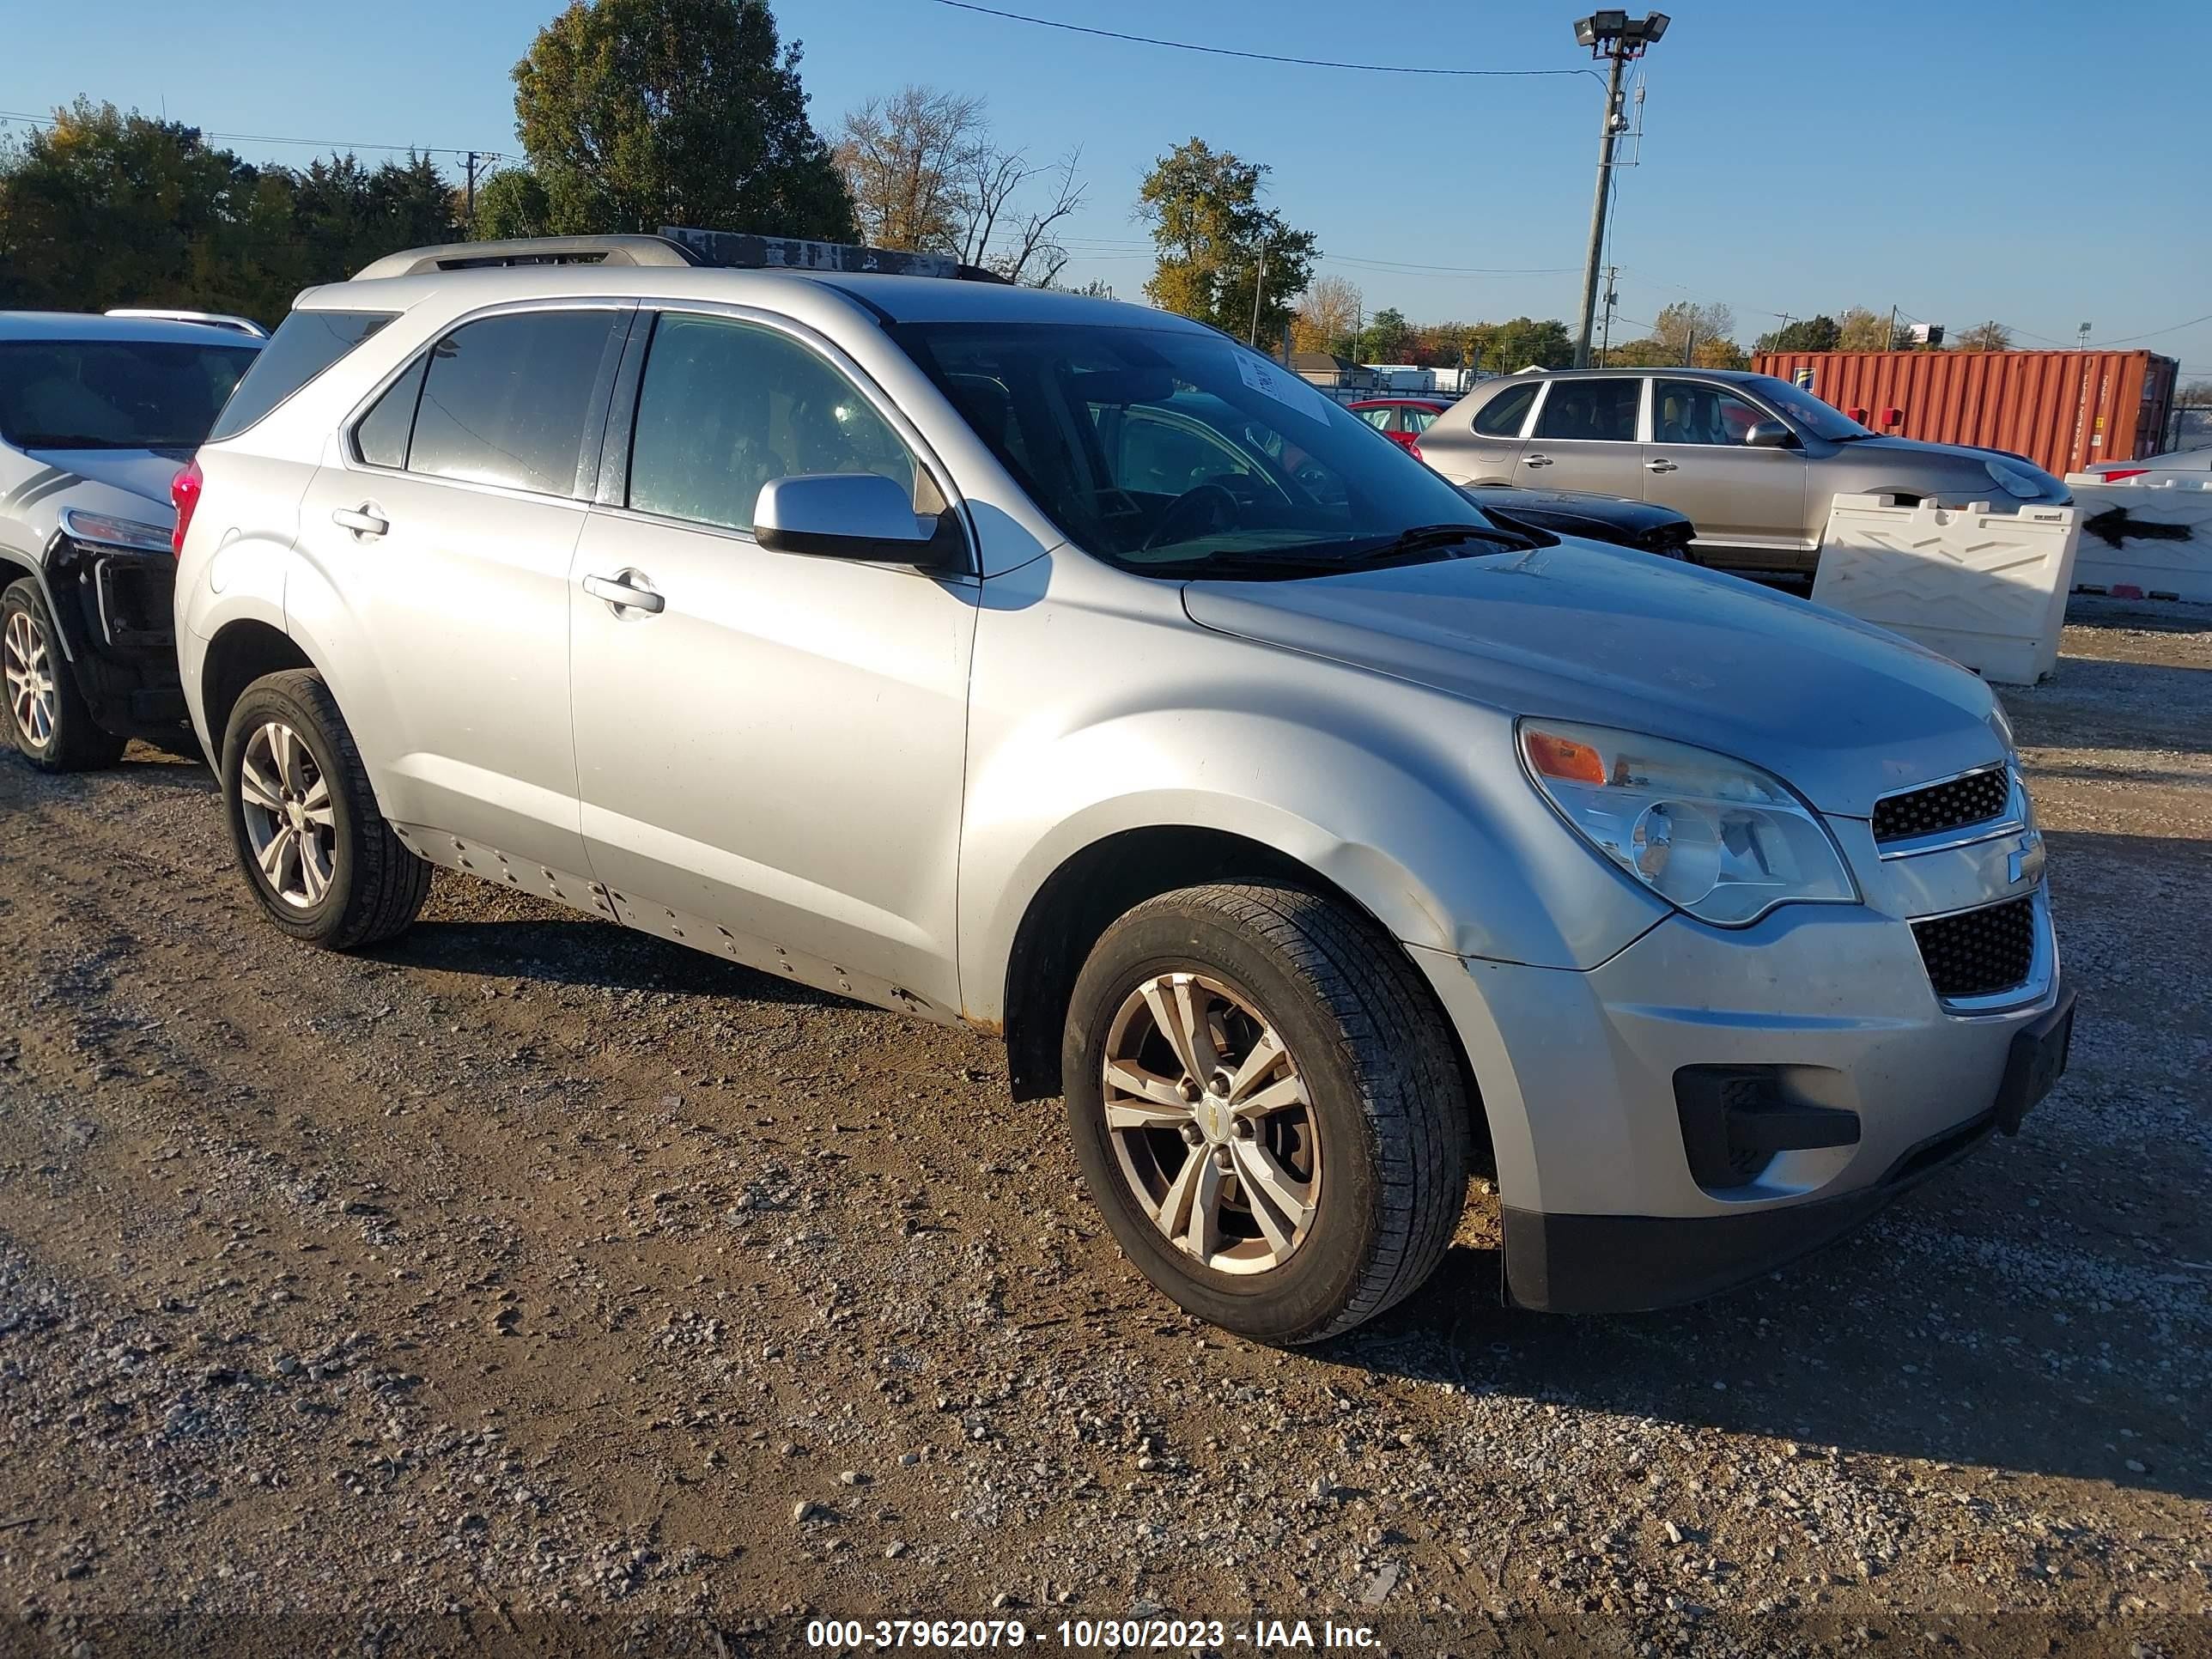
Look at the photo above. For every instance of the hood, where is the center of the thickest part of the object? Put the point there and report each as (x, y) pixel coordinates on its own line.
(143, 473)
(1966, 455)
(1843, 712)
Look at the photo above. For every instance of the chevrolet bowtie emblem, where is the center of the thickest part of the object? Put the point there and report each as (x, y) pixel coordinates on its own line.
(2027, 864)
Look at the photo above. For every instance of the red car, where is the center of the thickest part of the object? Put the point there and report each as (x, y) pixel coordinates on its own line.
(1401, 420)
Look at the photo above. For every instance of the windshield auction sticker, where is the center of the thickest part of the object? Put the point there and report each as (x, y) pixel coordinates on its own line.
(1272, 380)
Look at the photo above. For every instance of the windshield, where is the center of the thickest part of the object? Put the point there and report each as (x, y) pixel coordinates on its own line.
(1809, 412)
(115, 394)
(1171, 452)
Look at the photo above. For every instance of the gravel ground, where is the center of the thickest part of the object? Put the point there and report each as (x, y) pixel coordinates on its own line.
(534, 1286)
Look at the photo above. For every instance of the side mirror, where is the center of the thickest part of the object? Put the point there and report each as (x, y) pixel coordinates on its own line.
(851, 516)
(1768, 434)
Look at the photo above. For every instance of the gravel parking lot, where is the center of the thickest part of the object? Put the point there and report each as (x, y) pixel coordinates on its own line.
(533, 1283)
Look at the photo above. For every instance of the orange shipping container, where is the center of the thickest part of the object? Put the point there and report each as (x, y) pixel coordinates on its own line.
(2064, 410)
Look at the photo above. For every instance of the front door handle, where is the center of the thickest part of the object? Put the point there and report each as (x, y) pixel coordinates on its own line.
(366, 520)
(1535, 460)
(622, 591)
(1662, 465)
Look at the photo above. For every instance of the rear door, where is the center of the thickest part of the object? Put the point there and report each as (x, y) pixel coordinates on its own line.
(1748, 505)
(1485, 449)
(446, 529)
(1586, 437)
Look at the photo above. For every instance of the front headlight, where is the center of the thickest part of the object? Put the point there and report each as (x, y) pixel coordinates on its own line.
(1722, 840)
(2015, 480)
(99, 530)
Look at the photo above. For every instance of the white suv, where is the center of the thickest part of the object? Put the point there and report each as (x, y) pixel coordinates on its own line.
(1063, 668)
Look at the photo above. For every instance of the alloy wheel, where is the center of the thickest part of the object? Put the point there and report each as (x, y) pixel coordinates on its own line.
(26, 664)
(290, 822)
(1212, 1124)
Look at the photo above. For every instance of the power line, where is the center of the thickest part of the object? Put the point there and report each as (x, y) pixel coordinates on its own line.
(1257, 57)
(46, 123)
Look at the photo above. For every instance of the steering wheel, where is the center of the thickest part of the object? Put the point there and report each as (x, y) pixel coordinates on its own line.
(1221, 512)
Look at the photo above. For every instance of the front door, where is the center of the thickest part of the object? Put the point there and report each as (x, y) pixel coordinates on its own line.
(1585, 438)
(1748, 505)
(770, 745)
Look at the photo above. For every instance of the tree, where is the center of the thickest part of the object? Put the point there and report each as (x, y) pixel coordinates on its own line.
(105, 209)
(1861, 330)
(1525, 344)
(910, 162)
(511, 202)
(1700, 334)
(1030, 253)
(1386, 338)
(1991, 335)
(1818, 333)
(1202, 206)
(640, 113)
(2195, 394)
(1328, 316)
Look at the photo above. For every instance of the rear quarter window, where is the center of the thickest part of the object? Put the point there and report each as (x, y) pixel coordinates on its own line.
(305, 344)
(1501, 417)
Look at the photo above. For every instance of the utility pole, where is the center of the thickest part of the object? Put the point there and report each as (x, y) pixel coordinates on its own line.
(1610, 35)
(1612, 298)
(1889, 340)
(468, 208)
(1259, 287)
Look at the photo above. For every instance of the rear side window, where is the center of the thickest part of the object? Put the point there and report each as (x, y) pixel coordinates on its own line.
(1594, 411)
(1501, 417)
(305, 344)
(115, 394)
(507, 400)
(380, 437)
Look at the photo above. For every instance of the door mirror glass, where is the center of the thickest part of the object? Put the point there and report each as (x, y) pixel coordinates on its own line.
(1767, 434)
(848, 515)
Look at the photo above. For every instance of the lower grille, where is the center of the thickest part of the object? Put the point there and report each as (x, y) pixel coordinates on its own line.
(1978, 953)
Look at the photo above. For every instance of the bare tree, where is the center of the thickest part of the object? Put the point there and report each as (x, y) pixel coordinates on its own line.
(1984, 336)
(1032, 256)
(1328, 316)
(910, 162)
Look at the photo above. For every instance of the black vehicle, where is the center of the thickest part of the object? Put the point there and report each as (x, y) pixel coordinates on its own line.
(98, 415)
(1647, 529)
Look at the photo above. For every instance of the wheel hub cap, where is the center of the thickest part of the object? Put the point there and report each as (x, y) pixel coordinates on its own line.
(1210, 1122)
(27, 667)
(284, 800)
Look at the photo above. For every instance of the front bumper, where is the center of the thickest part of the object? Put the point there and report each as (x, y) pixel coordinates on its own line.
(1602, 1210)
(114, 607)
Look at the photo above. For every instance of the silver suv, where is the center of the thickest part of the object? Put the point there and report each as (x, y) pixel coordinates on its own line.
(1063, 669)
(1753, 461)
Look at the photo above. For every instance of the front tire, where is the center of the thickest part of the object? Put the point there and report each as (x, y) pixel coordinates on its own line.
(318, 856)
(1266, 1107)
(42, 711)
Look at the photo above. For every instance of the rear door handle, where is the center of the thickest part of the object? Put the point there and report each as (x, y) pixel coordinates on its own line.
(622, 591)
(1662, 465)
(365, 520)
(1535, 460)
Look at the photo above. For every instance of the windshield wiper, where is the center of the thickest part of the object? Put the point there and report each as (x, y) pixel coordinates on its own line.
(1416, 546)
(1434, 537)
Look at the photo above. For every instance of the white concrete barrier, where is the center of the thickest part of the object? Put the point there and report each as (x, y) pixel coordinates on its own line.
(2144, 541)
(1987, 589)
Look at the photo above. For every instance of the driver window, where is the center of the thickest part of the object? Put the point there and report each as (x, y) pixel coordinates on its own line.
(726, 407)
(1700, 412)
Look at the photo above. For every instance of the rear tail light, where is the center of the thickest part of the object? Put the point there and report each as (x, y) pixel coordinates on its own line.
(184, 495)
(1414, 448)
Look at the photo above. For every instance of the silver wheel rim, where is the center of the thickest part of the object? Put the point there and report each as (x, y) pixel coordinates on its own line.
(28, 666)
(285, 800)
(1212, 1124)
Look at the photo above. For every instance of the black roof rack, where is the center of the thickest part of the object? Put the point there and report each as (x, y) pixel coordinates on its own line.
(738, 250)
(530, 251)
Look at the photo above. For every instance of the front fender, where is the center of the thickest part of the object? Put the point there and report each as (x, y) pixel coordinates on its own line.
(1088, 719)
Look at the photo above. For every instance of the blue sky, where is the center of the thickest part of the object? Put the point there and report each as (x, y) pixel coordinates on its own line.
(1960, 161)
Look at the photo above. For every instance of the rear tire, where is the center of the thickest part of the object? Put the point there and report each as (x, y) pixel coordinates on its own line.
(1326, 1211)
(42, 711)
(318, 854)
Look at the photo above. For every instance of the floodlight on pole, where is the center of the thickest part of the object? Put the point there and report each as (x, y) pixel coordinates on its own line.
(1612, 35)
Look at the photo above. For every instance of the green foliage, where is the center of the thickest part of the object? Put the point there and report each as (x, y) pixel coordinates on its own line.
(1388, 338)
(511, 202)
(1524, 342)
(108, 209)
(1820, 333)
(1203, 207)
(640, 114)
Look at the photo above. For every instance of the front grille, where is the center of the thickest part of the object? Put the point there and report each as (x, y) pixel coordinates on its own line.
(1975, 799)
(1978, 953)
